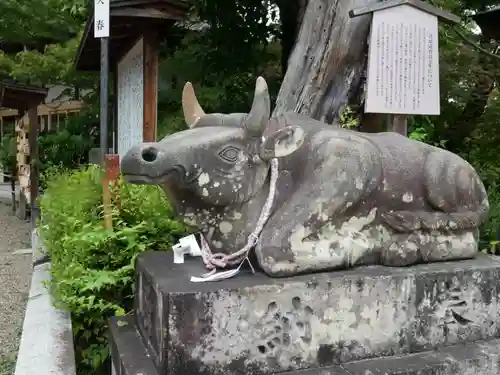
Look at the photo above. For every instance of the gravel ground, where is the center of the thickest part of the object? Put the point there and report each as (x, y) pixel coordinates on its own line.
(15, 277)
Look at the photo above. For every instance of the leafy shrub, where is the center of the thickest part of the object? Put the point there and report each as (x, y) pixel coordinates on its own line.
(69, 147)
(92, 267)
(490, 230)
(8, 150)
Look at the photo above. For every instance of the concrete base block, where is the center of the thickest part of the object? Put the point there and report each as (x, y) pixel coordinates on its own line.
(254, 324)
(130, 357)
(128, 354)
(479, 358)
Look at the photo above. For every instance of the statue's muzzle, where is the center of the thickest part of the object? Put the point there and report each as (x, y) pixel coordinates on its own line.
(149, 164)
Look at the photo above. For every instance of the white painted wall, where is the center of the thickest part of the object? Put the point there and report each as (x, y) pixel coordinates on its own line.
(56, 94)
(130, 98)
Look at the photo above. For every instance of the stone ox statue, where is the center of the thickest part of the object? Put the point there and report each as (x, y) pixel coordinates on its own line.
(342, 198)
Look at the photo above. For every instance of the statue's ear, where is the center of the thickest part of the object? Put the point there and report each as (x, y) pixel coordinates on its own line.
(282, 142)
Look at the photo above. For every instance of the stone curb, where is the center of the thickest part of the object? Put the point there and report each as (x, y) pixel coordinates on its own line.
(6, 197)
(39, 252)
(47, 338)
(5, 200)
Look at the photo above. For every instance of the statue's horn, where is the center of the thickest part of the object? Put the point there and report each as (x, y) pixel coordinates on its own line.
(261, 107)
(190, 106)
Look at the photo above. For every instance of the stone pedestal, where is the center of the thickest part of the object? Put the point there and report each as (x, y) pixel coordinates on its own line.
(441, 318)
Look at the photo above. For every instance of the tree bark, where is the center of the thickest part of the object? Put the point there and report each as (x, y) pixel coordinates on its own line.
(291, 16)
(328, 60)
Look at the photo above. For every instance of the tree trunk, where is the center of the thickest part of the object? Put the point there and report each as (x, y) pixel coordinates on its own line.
(291, 16)
(326, 66)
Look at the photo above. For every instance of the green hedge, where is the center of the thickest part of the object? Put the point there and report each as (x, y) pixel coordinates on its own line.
(490, 230)
(92, 268)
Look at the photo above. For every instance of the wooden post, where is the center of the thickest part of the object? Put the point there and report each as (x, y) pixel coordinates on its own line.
(23, 203)
(13, 177)
(398, 124)
(115, 108)
(106, 201)
(34, 178)
(13, 191)
(372, 122)
(111, 173)
(150, 85)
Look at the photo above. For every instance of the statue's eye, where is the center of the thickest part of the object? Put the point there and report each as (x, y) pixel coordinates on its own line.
(229, 154)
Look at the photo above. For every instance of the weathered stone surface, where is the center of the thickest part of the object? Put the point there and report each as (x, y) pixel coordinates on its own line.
(481, 358)
(254, 324)
(342, 198)
(128, 354)
(478, 358)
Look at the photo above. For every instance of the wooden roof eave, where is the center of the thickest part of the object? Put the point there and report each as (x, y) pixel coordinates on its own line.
(423, 6)
(488, 22)
(21, 97)
(140, 10)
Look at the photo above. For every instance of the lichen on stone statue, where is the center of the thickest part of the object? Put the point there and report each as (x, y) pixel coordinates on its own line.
(343, 198)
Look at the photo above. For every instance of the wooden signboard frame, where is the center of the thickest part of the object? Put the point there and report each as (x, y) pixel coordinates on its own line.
(403, 62)
(149, 114)
(130, 21)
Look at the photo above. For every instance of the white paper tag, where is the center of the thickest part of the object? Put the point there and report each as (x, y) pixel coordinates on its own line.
(216, 276)
(179, 252)
(186, 245)
(192, 244)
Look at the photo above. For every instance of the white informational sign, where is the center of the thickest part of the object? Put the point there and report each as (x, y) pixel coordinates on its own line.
(131, 98)
(101, 18)
(403, 62)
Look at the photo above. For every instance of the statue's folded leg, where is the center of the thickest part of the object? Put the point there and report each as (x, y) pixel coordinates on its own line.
(303, 236)
(406, 249)
(448, 232)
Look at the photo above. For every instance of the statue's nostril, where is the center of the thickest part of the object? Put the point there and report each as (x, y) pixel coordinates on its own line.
(149, 154)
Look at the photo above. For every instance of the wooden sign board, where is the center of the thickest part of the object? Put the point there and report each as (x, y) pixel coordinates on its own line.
(130, 98)
(403, 62)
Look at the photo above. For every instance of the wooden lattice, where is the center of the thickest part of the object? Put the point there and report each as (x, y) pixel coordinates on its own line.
(23, 167)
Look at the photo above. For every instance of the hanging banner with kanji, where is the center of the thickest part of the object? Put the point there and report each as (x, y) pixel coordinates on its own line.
(101, 18)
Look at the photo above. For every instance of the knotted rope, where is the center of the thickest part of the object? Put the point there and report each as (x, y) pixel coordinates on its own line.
(220, 260)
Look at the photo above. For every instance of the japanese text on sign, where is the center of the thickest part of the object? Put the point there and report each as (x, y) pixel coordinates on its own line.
(403, 64)
(101, 18)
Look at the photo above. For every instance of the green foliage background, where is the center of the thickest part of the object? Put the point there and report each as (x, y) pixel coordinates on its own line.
(8, 154)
